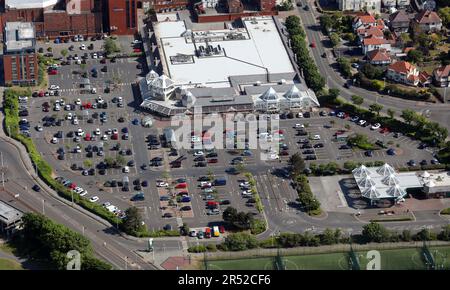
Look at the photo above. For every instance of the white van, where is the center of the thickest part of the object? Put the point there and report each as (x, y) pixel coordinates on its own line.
(126, 169)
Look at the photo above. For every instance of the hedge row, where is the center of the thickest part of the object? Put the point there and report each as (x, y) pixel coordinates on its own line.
(11, 105)
(312, 76)
(305, 195)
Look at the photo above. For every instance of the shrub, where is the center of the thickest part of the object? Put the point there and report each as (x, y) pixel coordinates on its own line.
(257, 226)
(239, 242)
(197, 249)
(211, 247)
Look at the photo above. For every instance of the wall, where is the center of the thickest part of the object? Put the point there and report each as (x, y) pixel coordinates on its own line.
(119, 22)
(7, 63)
(202, 18)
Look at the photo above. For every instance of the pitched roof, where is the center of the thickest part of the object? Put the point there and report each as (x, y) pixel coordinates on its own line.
(443, 71)
(371, 31)
(401, 67)
(378, 55)
(427, 16)
(373, 41)
(424, 77)
(399, 16)
(365, 19)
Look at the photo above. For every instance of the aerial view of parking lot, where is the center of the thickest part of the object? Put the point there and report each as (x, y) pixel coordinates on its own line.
(209, 136)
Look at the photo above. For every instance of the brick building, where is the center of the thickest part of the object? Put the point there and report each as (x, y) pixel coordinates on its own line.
(122, 16)
(53, 18)
(20, 64)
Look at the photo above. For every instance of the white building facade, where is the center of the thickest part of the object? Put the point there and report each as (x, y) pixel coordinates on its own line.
(359, 5)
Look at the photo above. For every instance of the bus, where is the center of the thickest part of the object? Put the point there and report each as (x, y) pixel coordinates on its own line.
(216, 231)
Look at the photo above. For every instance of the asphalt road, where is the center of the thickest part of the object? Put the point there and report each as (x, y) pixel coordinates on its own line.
(438, 112)
(106, 242)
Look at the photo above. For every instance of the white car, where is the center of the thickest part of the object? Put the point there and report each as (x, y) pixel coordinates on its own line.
(126, 169)
(39, 128)
(93, 91)
(83, 193)
(105, 137)
(94, 199)
(193, 233)
(195, 139)
(108, 132)
(94, 55)
(247, 193)
(208, 190)
(115, 131)
(316, 137)
(80, 132)
(299, 126)
(299, 115)
(162, 184)
(205, 184)
(54, 140)
(75, 121)
(69, 116)
(199, 153)
(375, 126)
(78, 102)
(54, 87)
(362, 122)
(97, 131)
(106, 204)
(274, 156)
(85, 173)
(136, 41)
(83, 47)
(78, 149)
(244, 184)
(57, 107)
(78, 190)
(100, 100)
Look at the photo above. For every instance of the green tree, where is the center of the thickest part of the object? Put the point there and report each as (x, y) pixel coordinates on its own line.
(229, 214)
(240, 242)
(372, 72)
(444, 13)
(335, 39)
(297, 164)
(344, 65)
(326, 23)
(333, 93)
(87, 163)
(444, 235)
(120, 160)
(329, 237)
(375, 232)
(391, 113)
(376, 108)
(132, 223)
(64, 52)
(357, 100)
(408, 115)
(414, 56)
(111, 46)
(110, 162)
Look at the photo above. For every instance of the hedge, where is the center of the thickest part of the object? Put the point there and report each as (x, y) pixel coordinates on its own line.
(11, 105)
(446, 211)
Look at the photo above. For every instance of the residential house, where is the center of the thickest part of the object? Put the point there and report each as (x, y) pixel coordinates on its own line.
(379, 57)
(372, 43)
(441, 76)
(403, 72)
(426, 4)
(428, 21)
(360, 5)
(424, 78)
(399, 21)
(364, 21)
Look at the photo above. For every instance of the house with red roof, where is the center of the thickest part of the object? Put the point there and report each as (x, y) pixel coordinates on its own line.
(379, 57)
(441, 76)
(403, 72)
(364, 21)
(373, 43)
(428, 21)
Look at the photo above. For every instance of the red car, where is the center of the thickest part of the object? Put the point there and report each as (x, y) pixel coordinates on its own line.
(384, 130)
(181, 185)
(87, 137)
(313, 44)
(41, 94)
(284, 153)
(103, 61)
(221, 229)
(115, 136)
(214, 160)
(137, 50)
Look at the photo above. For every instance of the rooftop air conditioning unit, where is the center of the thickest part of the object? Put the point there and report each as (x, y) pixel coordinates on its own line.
(282, 82)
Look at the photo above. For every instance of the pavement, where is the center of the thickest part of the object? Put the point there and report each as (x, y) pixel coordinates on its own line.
(438, 112)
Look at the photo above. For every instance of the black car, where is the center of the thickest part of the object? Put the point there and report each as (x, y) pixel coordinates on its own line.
(306, 146)
(203, 178)
(318, 145)
(310, 157)
(212, 154)
(225, 202)
(422, 146)
(199, 158)
(156, 159)
(309, 151)
(36, 188)
(423, 162)
(200, 164)
(306, 115)
(186, 208)
(412, 162)
(345, 147)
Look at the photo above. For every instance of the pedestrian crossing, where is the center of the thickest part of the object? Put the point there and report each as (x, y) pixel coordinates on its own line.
(71, 90)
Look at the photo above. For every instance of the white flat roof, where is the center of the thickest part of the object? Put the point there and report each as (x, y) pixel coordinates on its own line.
(262, 53)
(28, 4)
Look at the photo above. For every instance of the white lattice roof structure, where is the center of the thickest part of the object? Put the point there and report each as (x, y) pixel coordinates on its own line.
(383, 182)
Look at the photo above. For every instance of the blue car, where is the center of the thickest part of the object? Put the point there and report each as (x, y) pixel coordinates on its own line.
(247, 153)
(390, 151)
(135, 122)
(186, 199)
